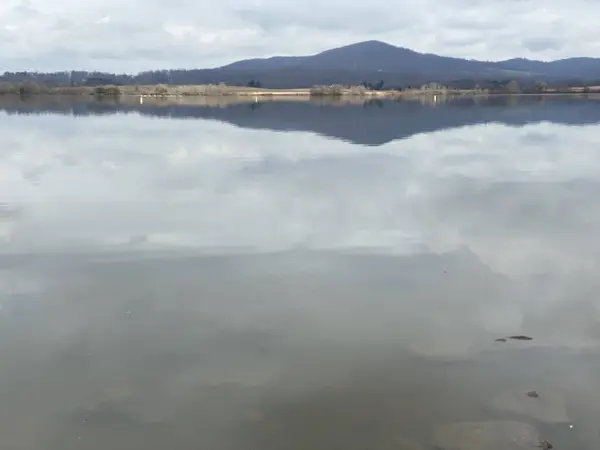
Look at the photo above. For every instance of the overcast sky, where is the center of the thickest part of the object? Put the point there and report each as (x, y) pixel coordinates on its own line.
(133, 35)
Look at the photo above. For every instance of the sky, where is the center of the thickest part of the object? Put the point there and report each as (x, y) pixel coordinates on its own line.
(134, 35)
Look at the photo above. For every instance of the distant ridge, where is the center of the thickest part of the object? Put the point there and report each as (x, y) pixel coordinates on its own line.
(368, 61)
(377, 56)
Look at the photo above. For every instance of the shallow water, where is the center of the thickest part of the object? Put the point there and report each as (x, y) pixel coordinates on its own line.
(241, 278)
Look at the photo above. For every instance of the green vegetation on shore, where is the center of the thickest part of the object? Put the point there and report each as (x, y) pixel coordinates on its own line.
(214, 90)
(366, 90)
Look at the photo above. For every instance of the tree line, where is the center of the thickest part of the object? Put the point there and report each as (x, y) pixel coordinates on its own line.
(37, 82)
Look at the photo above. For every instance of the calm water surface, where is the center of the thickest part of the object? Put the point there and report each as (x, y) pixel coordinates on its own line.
(297, 276)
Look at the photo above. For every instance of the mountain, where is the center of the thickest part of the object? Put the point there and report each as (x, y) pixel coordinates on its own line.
(370, 61)
(375, 57)
(369, 56)
(577, 68)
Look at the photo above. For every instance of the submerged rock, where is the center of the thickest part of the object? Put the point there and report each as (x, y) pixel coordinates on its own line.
(519, 337)
(549, 407)
(494, 435)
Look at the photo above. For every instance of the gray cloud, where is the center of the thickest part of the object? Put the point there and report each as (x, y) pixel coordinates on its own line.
(132, 35)
(336, 18)
(542, 44)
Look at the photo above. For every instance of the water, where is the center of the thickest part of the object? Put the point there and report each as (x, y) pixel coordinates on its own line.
(299, 276)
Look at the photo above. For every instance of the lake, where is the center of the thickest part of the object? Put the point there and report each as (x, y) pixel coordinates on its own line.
(296, 275)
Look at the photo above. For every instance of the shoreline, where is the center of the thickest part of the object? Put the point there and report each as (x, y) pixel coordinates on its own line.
(291, 95)
(254, 98)
(318, 91)
(171, 91)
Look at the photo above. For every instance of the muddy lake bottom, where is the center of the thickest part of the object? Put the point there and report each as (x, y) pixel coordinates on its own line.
(244, 358)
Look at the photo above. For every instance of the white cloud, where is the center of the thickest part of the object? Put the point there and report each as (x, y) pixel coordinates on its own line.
(132, 35)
